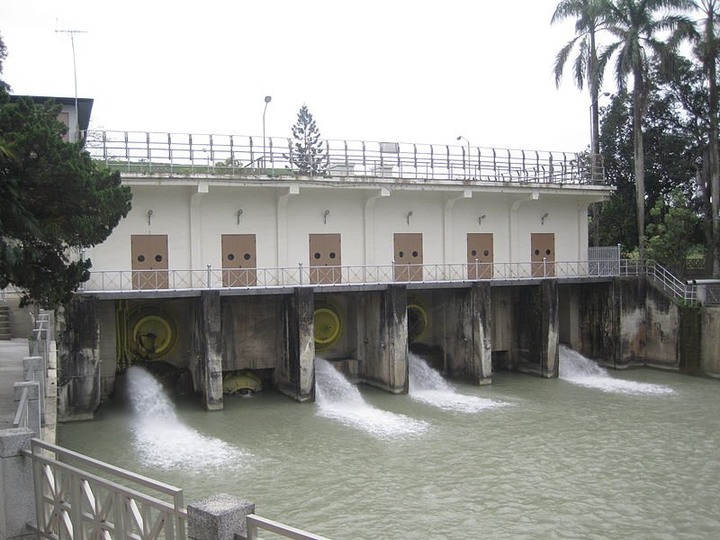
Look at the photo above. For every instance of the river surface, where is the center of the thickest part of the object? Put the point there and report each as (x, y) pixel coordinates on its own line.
(633, 454)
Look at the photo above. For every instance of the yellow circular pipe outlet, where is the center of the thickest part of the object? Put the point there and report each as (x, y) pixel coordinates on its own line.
(327, 327)
(153, 334)
(417, 321)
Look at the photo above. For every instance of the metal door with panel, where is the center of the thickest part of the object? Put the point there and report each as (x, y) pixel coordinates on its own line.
(408, 256)
(239, 256)
(480, 255)
(149, 254)
(325, 260)
(542, 257)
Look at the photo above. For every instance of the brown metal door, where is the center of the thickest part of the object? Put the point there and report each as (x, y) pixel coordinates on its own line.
(325, 260)
(542, 246)
(408, 256)
(239, 255)
(149, 254)
(480, 255)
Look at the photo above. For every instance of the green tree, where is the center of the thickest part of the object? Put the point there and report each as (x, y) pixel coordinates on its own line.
(55, 202)
(588, 15)
(673, 140)
(670, 237)
(307, 154)
(708, 51)
(635, 27)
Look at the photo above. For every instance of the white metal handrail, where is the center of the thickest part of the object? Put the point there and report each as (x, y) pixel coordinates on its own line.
(662, 278)
(73, 503)
(255, 523)
(183, 153)
(303, 275)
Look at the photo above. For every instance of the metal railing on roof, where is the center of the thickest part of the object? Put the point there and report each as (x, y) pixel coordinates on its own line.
(242, 155)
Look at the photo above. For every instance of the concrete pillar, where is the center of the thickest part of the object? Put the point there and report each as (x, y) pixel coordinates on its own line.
(210, 344)
(297, 377)
(467, 337)
(219, 517)
(550, 334)
(383, 340)
(78, 341)
(17, 507)
(33, 411)
(535, 329)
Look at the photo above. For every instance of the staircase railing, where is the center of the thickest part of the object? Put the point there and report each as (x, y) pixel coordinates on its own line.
(660, 277)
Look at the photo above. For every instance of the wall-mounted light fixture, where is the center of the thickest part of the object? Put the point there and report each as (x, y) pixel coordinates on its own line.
(407, 216)
(149, 216)
(239, 213)
(480, 219)
(326, 213)
(543, 218)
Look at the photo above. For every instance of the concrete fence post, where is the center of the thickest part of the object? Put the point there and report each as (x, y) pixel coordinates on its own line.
(34, 413)
(33, 368)
(219, 517)
(17, 508)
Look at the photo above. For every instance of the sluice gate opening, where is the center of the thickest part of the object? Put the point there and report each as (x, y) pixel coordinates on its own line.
(215, 345)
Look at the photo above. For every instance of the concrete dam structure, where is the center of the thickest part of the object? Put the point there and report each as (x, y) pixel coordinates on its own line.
(234, 262)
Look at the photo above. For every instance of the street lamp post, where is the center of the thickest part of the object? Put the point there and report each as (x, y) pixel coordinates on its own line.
(268, 99)
(594, 150)
(460, 137)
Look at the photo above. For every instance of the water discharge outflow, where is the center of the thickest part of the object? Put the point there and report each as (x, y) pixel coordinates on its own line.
(162, 441)
(577, 369)
(428, 386)
(336, 398)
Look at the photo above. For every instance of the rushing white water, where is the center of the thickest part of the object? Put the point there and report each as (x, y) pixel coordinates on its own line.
(162, 441)
(336, 398)
(577, 369)
(428, 386)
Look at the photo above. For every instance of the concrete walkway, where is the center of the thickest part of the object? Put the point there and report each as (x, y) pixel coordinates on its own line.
(11, 371)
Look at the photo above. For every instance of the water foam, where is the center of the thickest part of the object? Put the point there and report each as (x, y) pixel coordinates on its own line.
(577, 369)
(429, 387)
(336, 398)
(163, 441)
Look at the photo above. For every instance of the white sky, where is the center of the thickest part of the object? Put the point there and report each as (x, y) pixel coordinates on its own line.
(379, 70)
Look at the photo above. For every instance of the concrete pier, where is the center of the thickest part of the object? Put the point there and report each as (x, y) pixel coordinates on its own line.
(382, 338)
(208, 342)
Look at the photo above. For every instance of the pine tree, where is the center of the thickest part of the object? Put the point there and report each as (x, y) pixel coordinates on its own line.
(307, 153)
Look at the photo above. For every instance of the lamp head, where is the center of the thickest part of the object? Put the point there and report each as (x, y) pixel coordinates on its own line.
(268, 99)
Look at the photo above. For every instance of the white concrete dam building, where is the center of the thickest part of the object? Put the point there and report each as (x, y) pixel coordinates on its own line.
(233, 260)
(502, 214)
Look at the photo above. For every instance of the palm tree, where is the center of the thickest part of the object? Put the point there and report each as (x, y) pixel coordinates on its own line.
(589, 21)
(707, 51)
(635, 26)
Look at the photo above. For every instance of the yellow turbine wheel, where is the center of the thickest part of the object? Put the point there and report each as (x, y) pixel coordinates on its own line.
(153, 336)
(327, 327)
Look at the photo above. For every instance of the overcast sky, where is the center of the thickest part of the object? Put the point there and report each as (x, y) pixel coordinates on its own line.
(377, 70)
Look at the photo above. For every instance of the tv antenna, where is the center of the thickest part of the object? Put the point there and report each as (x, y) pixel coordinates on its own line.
(71, 34)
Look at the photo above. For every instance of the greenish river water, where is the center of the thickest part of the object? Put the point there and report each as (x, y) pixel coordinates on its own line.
(632, 454)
